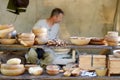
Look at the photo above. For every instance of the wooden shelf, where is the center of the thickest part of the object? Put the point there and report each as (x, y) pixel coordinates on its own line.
(56, 77)
(59, 76)
(21, 47)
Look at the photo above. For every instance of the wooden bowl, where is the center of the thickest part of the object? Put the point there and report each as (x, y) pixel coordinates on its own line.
(27, 39)
(35, 70)
(12, 72)
(2, 27)
(111, 38)
(26, 35)
(11, 66)
(41, 41)
(116, 53)
(80, 40)
(109, 43)
(101, 71)
(52, 69)
(38, 31)
(12, 69)
(27, 66)
(7, 41)
(15, 61)
(26, 43)
(4, 31)
(61, 50)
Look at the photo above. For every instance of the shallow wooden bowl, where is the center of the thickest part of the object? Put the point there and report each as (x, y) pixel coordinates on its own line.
(80, 40)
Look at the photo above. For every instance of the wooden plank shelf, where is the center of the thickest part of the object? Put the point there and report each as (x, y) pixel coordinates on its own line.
(60, 76)
(21, 47)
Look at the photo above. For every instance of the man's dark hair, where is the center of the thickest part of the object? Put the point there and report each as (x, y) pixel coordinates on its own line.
(56, 11)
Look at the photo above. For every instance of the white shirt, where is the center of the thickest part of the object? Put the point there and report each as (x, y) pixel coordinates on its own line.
(52, 32)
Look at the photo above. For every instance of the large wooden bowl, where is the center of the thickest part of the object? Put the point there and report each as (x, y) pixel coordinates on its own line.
(11, 66)
(5, 31)
(8, 41)
(80, 40)
(12, 70)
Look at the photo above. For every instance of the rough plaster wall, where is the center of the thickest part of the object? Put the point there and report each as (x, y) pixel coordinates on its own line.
(82, 17)
(117, 20)
(22, 22)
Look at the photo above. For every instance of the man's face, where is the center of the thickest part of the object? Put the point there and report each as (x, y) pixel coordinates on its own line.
(58, 18)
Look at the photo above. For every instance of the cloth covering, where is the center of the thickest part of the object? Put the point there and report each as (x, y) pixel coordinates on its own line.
(32, 57)
(17, 6)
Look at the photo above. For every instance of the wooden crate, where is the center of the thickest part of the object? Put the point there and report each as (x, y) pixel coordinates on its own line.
(99, 61)
(85, 62)
(90, 62)
(113, 65)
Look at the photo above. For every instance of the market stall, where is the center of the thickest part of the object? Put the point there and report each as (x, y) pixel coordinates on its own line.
(23, 49)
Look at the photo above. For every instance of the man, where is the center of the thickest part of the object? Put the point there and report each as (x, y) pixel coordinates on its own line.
(52, 23)
(52, 26)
